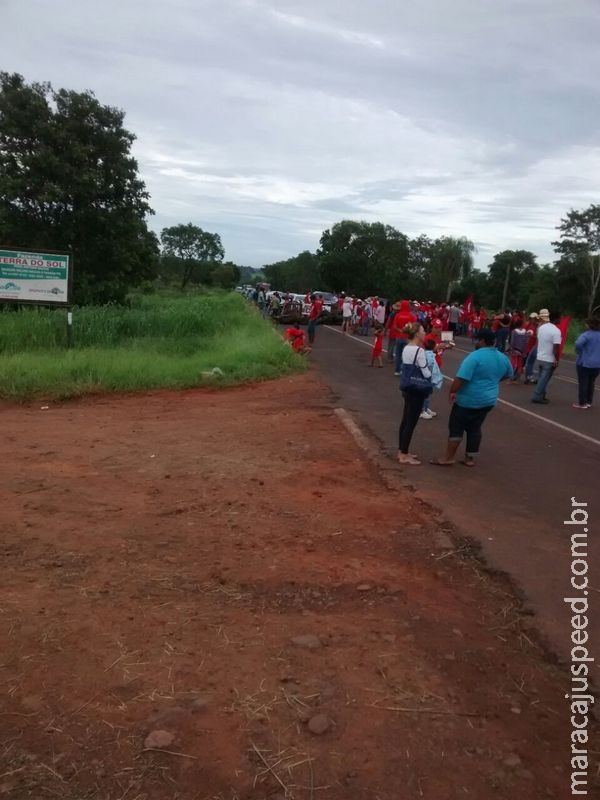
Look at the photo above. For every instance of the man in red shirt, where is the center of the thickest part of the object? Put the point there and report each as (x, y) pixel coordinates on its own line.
(437, 325)
(477, 323)
(315, 312)
(402, 318)
(531, 327)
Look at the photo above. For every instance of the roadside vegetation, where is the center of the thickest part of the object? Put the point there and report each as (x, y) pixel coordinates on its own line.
(158, 341)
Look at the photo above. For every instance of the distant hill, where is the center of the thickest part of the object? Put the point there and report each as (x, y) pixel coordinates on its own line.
(250, 275)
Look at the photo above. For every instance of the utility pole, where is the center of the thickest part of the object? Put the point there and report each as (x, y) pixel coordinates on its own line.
(505, 291)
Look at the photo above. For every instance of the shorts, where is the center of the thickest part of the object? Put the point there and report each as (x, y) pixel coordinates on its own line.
(466, 420)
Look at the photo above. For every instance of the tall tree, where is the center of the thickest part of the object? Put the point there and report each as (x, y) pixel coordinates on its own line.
(364, 258)
(68, 182)
(196, 249)
(297, 274)
(418, 268)
(451, 262)
(579, 244)
(226, 275)
(509, 275)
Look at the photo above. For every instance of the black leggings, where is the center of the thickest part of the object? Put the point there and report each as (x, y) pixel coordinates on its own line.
(587, 378)
(413, 405)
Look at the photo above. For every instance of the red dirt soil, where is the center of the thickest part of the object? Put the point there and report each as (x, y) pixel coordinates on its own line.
(160, 553)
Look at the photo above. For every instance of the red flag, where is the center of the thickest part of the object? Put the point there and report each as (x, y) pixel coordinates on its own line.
(468, 306)
(564, 329)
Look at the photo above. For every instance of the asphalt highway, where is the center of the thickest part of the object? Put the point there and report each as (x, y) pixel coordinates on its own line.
(533, 460)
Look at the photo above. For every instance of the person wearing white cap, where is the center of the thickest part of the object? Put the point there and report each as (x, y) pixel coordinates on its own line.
(548, 352)
(532, 328)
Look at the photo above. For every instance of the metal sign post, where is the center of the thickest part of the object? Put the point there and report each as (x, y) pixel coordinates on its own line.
(69, 328)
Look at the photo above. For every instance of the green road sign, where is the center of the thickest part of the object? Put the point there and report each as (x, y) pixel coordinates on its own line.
(27, 276)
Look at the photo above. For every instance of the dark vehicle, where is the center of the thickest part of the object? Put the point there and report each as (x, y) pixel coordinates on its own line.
(331, 314)
(291, 310)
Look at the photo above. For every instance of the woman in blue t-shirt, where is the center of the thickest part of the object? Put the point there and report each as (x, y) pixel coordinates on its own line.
(473, 393)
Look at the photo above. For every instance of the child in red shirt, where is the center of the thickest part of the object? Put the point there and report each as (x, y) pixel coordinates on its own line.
(377, 349)
(295, 336)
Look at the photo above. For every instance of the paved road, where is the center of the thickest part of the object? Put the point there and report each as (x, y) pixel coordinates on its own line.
(534, 459)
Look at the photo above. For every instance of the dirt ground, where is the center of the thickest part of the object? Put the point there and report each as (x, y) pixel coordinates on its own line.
(216, 595)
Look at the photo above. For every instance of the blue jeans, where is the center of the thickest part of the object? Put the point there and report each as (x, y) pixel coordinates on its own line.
(501, 339)
(546, 371)
(530, 364)
(400, 345)
(391, 346)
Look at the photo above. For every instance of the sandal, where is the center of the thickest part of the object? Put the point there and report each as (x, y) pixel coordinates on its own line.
(439, 463)
(409, 460)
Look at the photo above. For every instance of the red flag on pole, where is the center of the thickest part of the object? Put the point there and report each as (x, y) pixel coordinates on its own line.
(468, 306)
(564, 329)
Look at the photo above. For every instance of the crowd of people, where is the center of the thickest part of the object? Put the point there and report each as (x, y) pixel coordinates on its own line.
(537, 343)
(510, 346)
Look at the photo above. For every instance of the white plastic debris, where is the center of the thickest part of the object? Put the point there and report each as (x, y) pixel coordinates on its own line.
(215, 372)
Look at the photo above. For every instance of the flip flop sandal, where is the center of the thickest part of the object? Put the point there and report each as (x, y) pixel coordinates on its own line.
(437, 463)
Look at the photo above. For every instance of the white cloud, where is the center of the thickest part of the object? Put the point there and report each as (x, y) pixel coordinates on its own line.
(268, 122)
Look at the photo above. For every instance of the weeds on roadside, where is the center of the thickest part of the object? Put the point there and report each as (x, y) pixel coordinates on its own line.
(156, 342)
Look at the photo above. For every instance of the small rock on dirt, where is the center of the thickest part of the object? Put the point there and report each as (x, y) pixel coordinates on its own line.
(158, 739)
(319, 724)
(364, 587)
(327, 691)
(512, 761)
(307, 641)
(172, 715)
(199, 704)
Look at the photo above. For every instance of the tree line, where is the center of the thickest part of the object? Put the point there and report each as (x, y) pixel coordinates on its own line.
(68, 181)
(374, 259)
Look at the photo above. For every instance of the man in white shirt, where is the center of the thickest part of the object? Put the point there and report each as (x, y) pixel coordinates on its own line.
(453, 317)
(346, 314)
(379, 314)
(548, 353)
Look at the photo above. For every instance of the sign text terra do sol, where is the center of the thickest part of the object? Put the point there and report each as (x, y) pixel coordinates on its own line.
(27, 276)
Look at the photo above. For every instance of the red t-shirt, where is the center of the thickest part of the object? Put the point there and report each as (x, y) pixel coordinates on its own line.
(532, 326)
(294, 333)
(315, 311)
(401, 319)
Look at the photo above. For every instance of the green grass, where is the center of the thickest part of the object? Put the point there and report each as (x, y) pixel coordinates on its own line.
(160, 341)
(576, 326)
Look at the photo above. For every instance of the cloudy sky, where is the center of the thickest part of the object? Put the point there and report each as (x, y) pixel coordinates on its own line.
(268, 121)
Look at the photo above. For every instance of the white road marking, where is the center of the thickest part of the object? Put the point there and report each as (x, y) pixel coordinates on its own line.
(500, 400)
